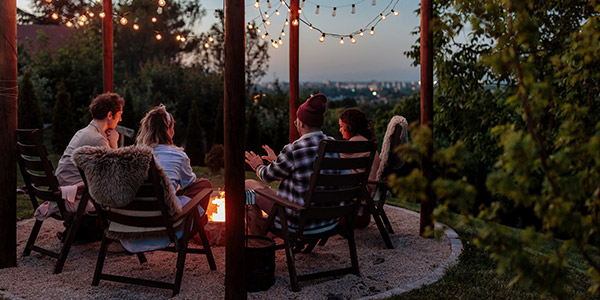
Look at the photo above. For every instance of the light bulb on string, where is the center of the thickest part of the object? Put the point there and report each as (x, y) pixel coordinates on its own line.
(280, 41)
(206, 45)
(295, 22)
(162, 3)
(277, 12)
(361, 33)
(353, 11)
(286, 23)
(69, 24)
(322, 38)
(383, 17)
(268, 22)
(48, 1)
(283, 2)
(123, 21)
(352, 40)
(82, 18)
(373, 3)
(159, 10)
(256, 4)
(54, 16)
(211, 39)
(101, 14)
(372, 32)
(302, 4)
(91, 14)
(333, 13)
(98, 1)
(178, 37)
(341, 40)
(299, 11)
(282, 32)
(395, 12)
(310, 27)
(136, 27)
(262, 37)
(250, 26)
(81, 23)
(274, 44)
(257, 30)
(183, 39)
(158, 36)
(269, 4)
(289, 9)
(317, 11)
(153, 19)
(266, 15)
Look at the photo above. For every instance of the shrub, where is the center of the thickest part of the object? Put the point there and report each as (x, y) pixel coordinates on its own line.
(62, 120)
(214, 158)
(30, 114)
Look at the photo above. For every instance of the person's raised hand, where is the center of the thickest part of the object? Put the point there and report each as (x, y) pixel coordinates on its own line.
(270, 154)
(253, 160)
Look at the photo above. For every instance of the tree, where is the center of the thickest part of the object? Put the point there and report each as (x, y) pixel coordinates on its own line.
(194, 146)
(30, 115)
(519, 129)
(62, 120)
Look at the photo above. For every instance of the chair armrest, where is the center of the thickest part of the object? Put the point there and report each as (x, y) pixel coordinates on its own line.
(377, 182)
(279, 200)
(193, 204)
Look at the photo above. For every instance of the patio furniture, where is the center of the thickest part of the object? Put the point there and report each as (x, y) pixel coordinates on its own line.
(147, 215)
(41, 184)
(390, 163)
(333, 193)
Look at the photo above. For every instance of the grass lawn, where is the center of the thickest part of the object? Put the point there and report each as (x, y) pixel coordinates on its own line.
(475, 277)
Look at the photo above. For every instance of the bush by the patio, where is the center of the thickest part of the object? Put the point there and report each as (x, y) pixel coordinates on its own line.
(214, 158)
(29, 114)
(194, 136)
(62, 120)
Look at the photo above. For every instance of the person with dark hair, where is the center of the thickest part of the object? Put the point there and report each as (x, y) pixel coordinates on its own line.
(293, 166)
(106, 111)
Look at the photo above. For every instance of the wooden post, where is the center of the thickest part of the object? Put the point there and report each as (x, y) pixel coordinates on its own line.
(234, 118)
(427, 111)
(8, 129)
(294, 63)
(107, 47)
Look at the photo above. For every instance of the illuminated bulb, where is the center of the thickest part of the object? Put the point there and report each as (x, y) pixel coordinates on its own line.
(269, 4)
(256, 4)
(159, 10)
(250, 26)
(158, 36)
(183, 39)
(54, 16)
(266, 15)
(211, 39)
(333, 13)
(286, 23)
(82, 19)
(101, 14)
(98, 1)
(48, 1)
(161, 3)
(136, 26)
(352, 40)
(299, 11)
(69, 24)
(289, 9)
(206, 45)
(341, 41)
(268, 22)
(310, 27)
(372, 32)
(178, 37)
(153, 19)
(353, 9)
(361, 33)
(317, 11)
(275, 45)
(81, 23)
(280, 41)
(123, 21)
(282, 33)
(302, 4)
(277, 12)
(396, 13)
(295, 22)
(263, 36)
(283, 2)
(322, 38)
(91, 14)
(383, 17)
(373, 3)
(257, 29)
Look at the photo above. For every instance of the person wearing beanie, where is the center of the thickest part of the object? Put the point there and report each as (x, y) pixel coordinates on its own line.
(292, 167)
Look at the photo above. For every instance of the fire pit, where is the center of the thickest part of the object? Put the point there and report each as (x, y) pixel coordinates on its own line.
(215, 228)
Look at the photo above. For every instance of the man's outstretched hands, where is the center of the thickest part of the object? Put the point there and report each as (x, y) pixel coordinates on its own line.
(270, 154)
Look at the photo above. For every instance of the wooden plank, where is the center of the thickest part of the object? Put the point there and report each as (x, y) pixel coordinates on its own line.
(8, 127)
(427, 110)
(234, 117)
(294, 68)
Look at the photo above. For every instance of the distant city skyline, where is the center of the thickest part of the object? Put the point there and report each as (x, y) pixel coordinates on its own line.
(378, 57)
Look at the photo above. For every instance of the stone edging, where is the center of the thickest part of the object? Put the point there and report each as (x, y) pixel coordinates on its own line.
(434, 276)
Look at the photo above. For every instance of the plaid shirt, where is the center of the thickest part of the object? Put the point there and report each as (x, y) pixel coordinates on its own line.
(293, 167)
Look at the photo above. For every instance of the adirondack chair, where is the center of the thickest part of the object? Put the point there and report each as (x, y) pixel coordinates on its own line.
(330, 196)
(148, 213)
(42, 185)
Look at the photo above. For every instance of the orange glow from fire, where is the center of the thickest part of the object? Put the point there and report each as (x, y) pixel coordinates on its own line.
(216, 208)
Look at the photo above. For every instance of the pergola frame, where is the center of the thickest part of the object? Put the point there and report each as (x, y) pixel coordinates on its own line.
(234, 120)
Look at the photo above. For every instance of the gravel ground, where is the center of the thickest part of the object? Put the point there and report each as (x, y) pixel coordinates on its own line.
(412, 259)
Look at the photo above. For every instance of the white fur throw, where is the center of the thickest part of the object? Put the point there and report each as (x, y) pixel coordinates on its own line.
(115, 175)
(385, 147)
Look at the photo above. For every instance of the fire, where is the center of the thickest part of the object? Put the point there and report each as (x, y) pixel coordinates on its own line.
(216, 208)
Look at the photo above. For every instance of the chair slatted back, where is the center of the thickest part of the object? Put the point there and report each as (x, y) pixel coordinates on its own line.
(36, 169)
(147, 212)
(334, 191)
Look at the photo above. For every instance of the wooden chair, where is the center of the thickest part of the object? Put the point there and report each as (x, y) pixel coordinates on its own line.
(148, 211)
(41, 184)
(374, 205)
(333, 193)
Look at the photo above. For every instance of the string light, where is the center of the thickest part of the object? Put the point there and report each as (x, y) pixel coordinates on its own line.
(123, 21)
(286, 23)
(158, 36)
(341, 40)
(69, 24)
(91, 14)
(257, 30)
(361, 33)
(211, 39)
(322, 38)
(136, 26)
(352, 40)
(159, 10)
(268, 3)
(48, 1)
(383, 17)
(353, 11)
(256, 4)
(280, 41)
(395, 12)
(101, 15)
(317, 11)
(162, 3)
(54, 16)
(81, 23)
(274, 44)
(372, 32)
(299, 11)
(206, 45)
(282, 32)
(302, 4)
(264, 36)
(183, 39)
(268, 22)
(153, 19)
(333, 13)
(310, 27)
(250, 26)
(373, 3)
(295, 22)
(266, 15)
(277, 12)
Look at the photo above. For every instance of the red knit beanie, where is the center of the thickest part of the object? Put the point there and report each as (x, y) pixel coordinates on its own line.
(312, 112)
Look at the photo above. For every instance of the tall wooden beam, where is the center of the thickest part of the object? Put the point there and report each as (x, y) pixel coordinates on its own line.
(107, 47)
(294, 63)
(8, 128)
(234, 126)
(427, 111)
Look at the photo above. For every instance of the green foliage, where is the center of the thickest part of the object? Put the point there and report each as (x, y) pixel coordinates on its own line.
(214, 158)
(30, 115)
(194, 146)
(62, 120)
(518, 131)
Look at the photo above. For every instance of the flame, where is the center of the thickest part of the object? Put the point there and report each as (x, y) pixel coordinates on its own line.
(216, 210)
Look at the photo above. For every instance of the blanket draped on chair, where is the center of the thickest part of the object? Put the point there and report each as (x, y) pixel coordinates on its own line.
(385, 147)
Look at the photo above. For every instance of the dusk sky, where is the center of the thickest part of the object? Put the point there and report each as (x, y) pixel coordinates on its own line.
(373, 57)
